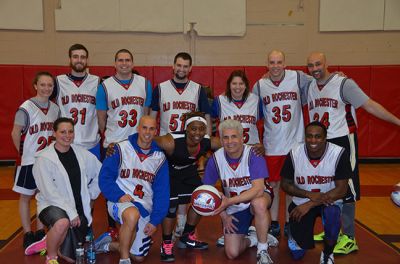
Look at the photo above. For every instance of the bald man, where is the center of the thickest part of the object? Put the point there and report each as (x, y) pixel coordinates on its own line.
(332, 100)
(135, 182)
(281, 95)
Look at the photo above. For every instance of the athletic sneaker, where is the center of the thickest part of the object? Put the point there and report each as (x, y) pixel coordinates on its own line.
(326, 259)
(125, 261)
(113, 232)
(252, 236)
(319, 237)
(102, 243)
(345, 245)
(29, 238)
(36, 247)
(272, 241)
(221, 241)
(296, 251)
(286, 229)
(190, 241)
(264, 258)
(52, 260)
(39, 234)
(166, 251)
(275, 229)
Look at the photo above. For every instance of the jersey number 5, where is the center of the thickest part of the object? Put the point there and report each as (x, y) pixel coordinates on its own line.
(173, 122)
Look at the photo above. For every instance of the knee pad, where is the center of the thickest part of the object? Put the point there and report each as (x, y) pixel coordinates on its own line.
(332, 222)
(172, 211)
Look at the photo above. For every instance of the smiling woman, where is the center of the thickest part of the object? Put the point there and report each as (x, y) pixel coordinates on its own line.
(67, 179)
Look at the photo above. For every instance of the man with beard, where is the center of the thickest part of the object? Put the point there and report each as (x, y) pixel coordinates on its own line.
(332, 100)
(76, 97)
(177, 96)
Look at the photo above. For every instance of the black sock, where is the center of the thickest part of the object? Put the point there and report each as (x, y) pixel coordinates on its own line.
(188, 229)
(328, 247)
(167, 237)
(274, 223)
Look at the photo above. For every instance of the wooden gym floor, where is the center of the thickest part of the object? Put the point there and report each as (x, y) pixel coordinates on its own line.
(377, 229)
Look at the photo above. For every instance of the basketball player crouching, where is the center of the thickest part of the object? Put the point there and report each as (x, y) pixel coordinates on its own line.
(243, 175)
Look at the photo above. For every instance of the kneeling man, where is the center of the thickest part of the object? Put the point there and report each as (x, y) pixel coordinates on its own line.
(316, 175)
(135, 182)
(242, 174)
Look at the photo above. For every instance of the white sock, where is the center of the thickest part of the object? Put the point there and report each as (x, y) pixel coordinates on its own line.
(125, 261)
(262, 246)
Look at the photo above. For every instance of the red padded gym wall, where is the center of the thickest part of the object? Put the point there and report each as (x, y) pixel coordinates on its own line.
(362, 76)
(221, 74)
(11, 97)
(384, 138)
(30, 72)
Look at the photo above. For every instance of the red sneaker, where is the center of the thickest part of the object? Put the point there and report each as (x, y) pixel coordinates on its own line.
(113, 233)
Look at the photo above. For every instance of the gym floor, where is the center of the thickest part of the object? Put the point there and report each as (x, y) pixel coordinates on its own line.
(377, 228)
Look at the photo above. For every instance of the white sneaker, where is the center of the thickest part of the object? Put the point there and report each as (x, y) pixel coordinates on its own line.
(329, 260)
(272, 241)
(221, 241)
(252, 236)
(264, 258)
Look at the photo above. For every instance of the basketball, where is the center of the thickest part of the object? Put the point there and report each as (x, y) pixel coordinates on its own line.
(205, 199)
(395, 195)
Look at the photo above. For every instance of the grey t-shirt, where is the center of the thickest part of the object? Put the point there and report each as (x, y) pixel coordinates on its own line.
(21, 118)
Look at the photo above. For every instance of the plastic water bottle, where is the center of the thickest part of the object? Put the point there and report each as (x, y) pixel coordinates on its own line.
(90, 251)
(80, 254)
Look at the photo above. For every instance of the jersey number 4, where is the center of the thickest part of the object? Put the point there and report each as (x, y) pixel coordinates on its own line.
(324, 119)
(128, 118)
(139, 191)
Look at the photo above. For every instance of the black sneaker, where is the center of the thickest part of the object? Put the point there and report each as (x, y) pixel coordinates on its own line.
(29, 238)
(190, 241)
(39, 235)
(275, 230)
(286, 229)
(166, 251)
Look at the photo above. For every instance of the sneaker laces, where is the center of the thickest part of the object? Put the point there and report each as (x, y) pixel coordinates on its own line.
(264, 257)
(192, 236)
(167, 247)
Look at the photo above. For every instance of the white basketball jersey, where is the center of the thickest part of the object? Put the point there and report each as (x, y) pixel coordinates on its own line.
(173, 105)
(125, 107)
(39, 131)
(283, 116)
(79, 103)
(247, 115)
(315, 176)
(328, 107)
(137, 173)
(234, 181)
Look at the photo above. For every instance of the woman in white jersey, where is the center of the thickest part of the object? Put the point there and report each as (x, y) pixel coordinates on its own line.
(32, 131)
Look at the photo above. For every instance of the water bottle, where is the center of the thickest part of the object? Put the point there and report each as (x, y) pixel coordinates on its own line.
(80, 254)
(90, 251)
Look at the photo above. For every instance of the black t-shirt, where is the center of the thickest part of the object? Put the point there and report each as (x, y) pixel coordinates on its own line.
(181, 164)
(71, 165)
